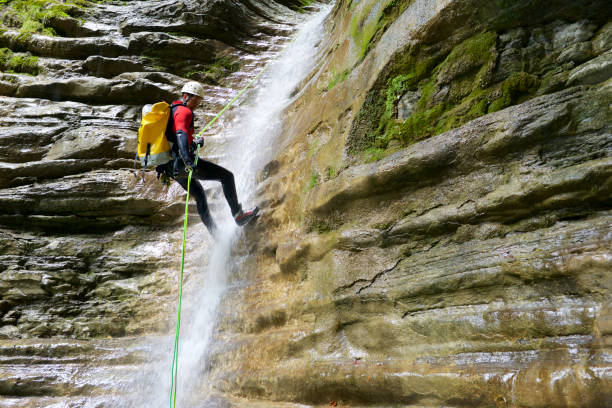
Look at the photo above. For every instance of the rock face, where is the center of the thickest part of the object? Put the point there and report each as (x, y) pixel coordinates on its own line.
(88, 250)
(436, 224)
(438, 220)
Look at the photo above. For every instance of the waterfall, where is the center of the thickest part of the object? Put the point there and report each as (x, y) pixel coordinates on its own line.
(252, 134)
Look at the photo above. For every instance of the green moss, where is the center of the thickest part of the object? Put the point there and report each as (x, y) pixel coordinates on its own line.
(463, 72)
(35, 16)
(18, 63)
(313, 181)
(396, 88)
(211, 74)
(319, 225)
(516, 86)
(374, 154)
(331, 172)
(364, 25)
(337, 78)
(472, 53)
(420, 125)
(304, 4)
(366, 29)
(312, 148)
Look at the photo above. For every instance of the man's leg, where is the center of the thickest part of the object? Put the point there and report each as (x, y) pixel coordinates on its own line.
(197, 192)
(206, 170)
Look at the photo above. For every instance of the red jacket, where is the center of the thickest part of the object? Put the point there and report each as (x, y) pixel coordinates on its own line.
(183, 120)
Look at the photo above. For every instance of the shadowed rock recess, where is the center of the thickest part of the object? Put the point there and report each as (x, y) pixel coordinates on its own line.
(437, 221)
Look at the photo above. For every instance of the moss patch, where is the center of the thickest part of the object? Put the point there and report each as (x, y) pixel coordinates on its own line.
(374, 154)
(454, 89)
(458, 75)
(370, 23)
(515, 87)
(214, 73)
(18, 63)
(35, 16)
(337, 78)
(313, 181)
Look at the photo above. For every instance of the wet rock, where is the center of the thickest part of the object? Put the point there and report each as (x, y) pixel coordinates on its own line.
(406, 104)
(110, 67)
(597, 70)
(577, 53)
(62, 47)
(9, 332)
(288, 255)
(97, 90)
(466, 269)
(172, 47)
(603, 40)
(453, 256)
(72, 27)
(565, 35)
(78, 89)
(7, 88)
(93, 142)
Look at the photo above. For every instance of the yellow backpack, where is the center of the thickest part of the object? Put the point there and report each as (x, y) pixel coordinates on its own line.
(153, 146)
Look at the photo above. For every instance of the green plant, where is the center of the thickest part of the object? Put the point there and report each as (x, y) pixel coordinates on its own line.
(337, 78)
(366, 28)
(18, 63)
(36, 16)
(313, 181)
(374, 154)
(465, 67)
(513, 88)
(331, 172)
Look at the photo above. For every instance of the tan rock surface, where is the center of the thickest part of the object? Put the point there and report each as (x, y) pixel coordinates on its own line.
(436, 225)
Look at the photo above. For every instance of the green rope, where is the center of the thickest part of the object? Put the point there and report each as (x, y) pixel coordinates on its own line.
(178, 318)
(174, 369)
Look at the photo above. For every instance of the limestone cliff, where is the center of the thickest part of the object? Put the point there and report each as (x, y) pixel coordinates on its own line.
(88, 252)
(437, 220)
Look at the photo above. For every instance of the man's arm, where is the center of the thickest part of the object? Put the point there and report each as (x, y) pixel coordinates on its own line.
(182, 120)
(183, 147)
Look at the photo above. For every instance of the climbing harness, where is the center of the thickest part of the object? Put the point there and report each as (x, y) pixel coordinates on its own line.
(174, 373)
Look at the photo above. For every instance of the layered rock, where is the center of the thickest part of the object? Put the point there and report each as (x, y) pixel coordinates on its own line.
(438, 220)
(436, 227)
(88, 248)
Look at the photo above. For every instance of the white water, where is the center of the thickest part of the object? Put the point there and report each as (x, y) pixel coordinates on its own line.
(252, 142)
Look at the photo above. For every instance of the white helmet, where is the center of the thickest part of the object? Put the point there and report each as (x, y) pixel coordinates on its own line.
(193, 88)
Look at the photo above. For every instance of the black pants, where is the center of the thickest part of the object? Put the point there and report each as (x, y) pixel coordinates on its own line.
(205, 170)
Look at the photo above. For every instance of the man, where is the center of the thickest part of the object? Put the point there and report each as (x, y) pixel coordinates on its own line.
(180, 133)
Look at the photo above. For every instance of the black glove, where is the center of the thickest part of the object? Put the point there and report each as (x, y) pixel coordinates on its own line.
(198, 142)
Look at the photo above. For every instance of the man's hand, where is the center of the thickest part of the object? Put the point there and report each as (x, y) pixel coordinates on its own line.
(198, 142)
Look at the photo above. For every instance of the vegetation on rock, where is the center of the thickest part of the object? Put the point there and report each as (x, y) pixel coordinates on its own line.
(368, 24)
(221, 68)
(18, 63)
(336, 78)
(431, 89)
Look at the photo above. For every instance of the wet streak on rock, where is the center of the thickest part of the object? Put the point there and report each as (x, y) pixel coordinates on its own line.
(468, 266)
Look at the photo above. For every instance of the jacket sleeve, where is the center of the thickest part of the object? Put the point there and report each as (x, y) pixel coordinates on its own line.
(183, 147)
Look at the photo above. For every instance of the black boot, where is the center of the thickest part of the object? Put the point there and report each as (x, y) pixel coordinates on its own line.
(244, 217)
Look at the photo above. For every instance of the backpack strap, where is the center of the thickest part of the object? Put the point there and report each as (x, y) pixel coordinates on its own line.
(169, 133)
(146, 161)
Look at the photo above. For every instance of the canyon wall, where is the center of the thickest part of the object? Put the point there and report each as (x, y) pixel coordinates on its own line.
(435, 227)
(437, 224)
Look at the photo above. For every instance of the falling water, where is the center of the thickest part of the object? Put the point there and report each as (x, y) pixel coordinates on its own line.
(252, 137)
